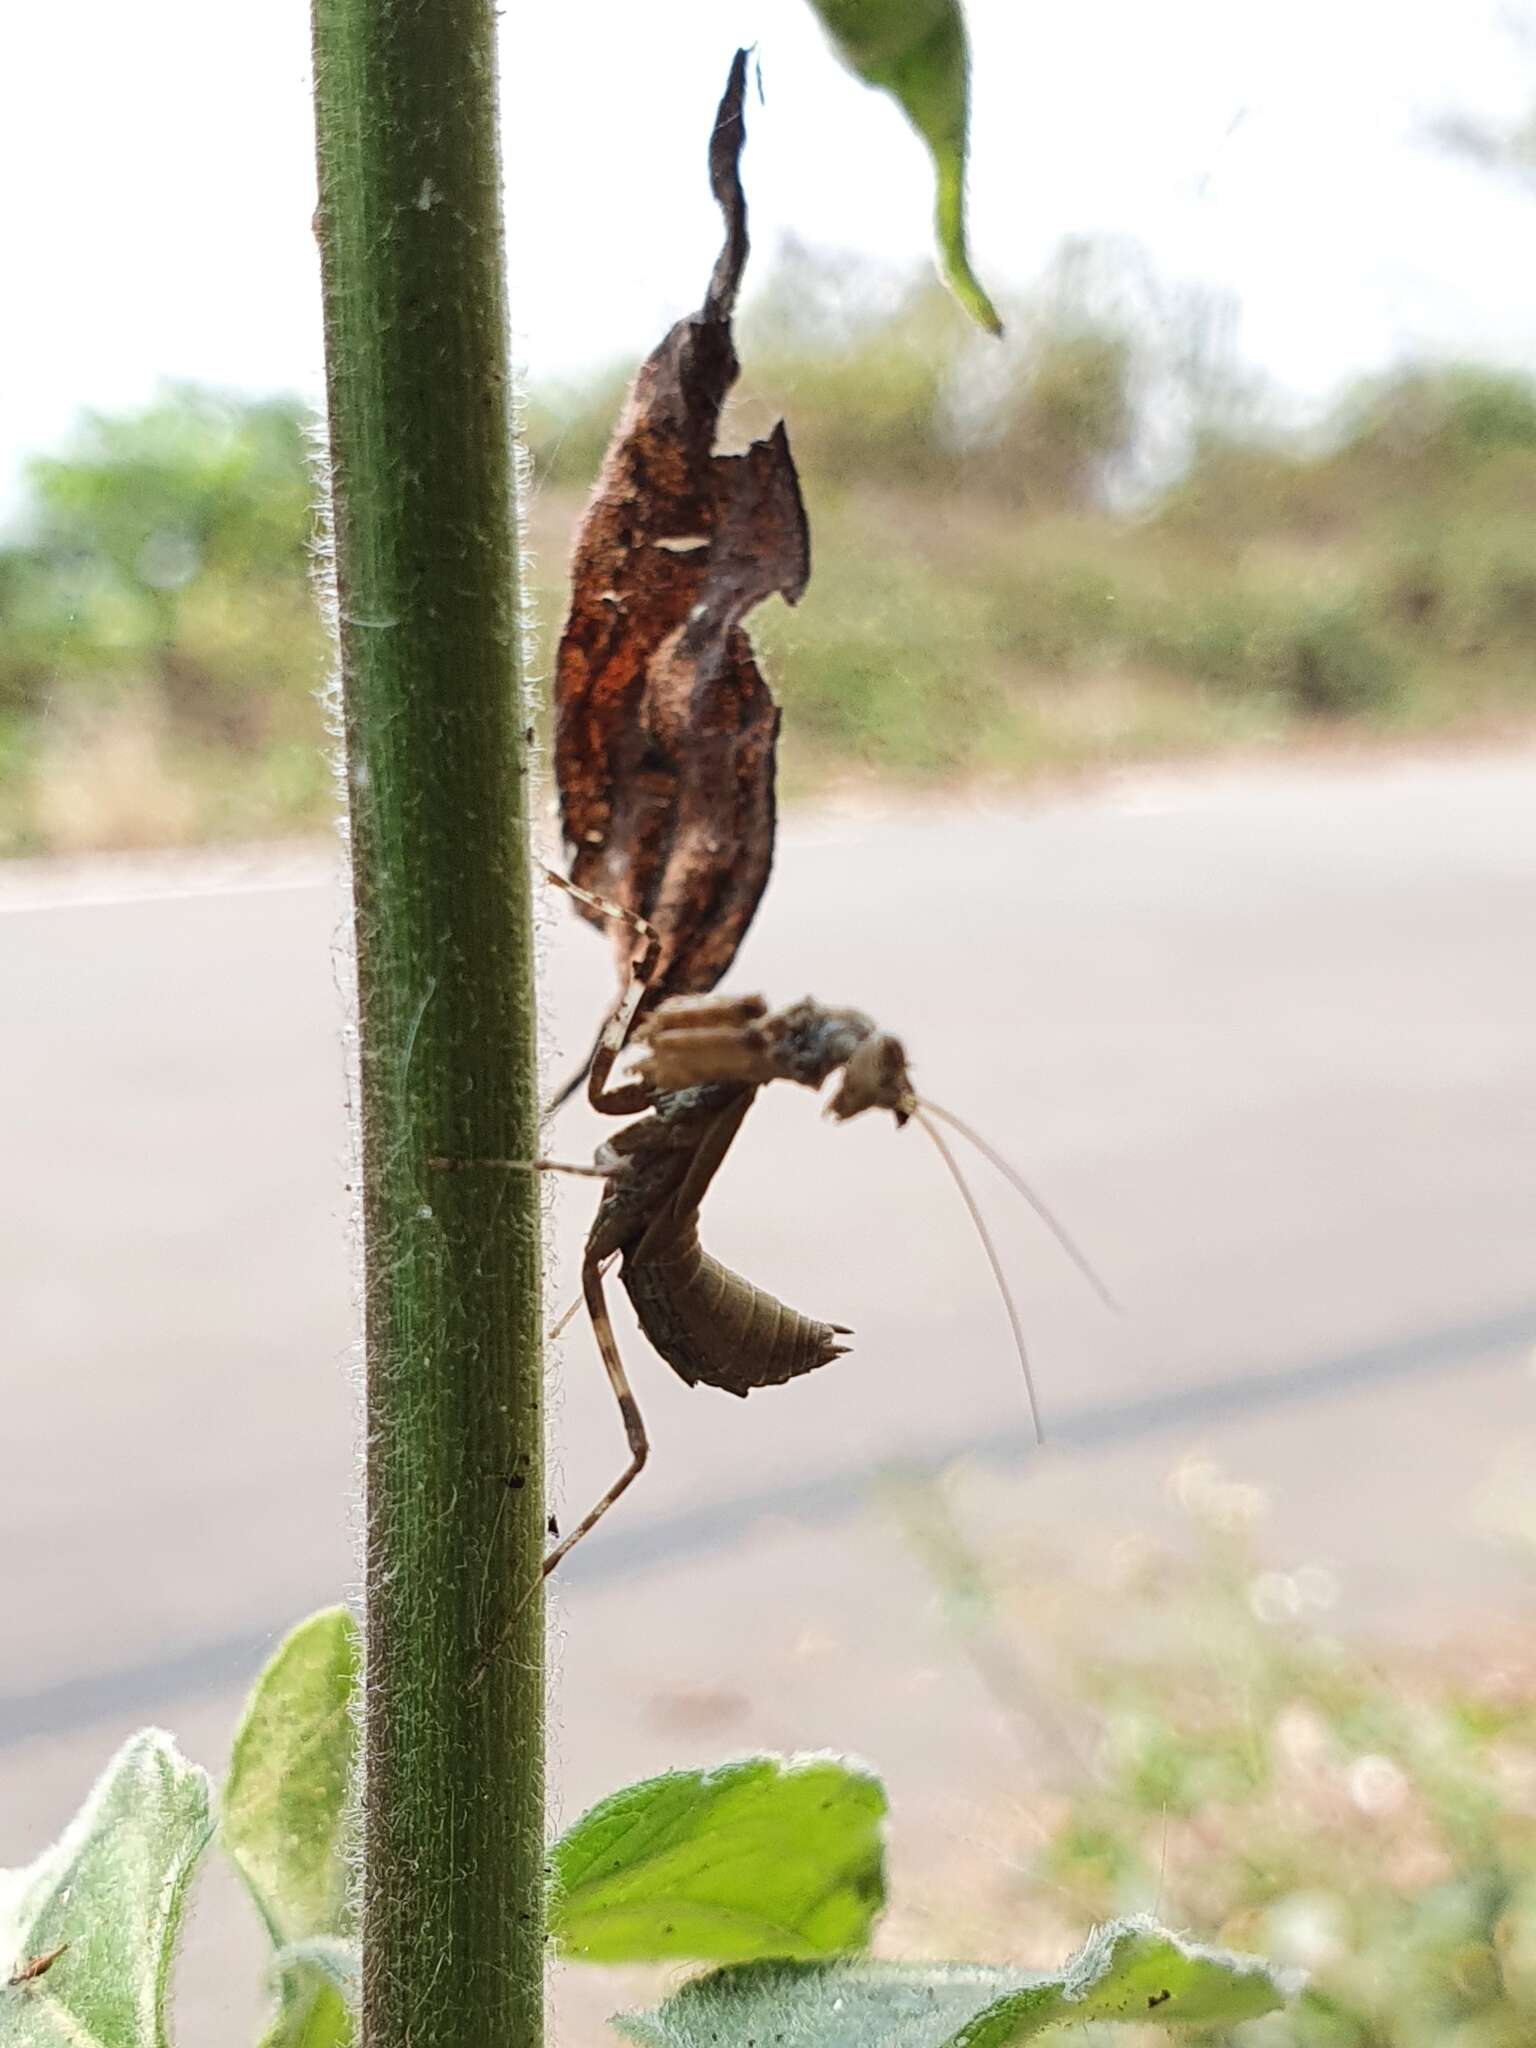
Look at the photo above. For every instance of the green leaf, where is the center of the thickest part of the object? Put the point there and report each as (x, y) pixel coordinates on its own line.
(1133, 1970)
(285, 1808)
(290, 1770)
(319, 1982)
(113, 1888)
(768, 1856)
(916, 51)
(338, 1963)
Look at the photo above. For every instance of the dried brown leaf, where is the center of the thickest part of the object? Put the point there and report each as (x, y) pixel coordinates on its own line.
(665, 729)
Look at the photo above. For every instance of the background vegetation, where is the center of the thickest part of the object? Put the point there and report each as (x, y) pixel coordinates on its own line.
(1092, 544)
(1228, 1759)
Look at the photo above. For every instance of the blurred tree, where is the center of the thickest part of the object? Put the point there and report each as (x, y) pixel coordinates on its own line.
(159, 645)
(140, 507)
(1507, 148)
(1441, 418)
(160, 545)
(161, 656)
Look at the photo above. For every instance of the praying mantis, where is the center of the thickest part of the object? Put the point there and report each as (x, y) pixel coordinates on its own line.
(700, 1063)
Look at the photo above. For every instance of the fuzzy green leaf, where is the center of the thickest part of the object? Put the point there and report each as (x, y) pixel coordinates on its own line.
(916, 50)
(113, 1888)
(284, 1813)
(290, 1770)
(319, 1983)
(1133, 1971)
(768, 1856)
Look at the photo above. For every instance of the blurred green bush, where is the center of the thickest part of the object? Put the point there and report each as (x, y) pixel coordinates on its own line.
(1079, 546)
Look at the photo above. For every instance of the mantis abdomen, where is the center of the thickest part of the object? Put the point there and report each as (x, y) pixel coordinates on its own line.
(716, 1329)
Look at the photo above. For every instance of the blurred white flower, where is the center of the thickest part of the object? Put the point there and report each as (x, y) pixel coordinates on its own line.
(1274, 1597)
(1317, 1585)
(1377, 1785)
(1206, 1494)
(1307, 1930)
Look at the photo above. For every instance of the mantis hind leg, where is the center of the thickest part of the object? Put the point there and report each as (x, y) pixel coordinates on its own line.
(572, 1309)
(634, 1427)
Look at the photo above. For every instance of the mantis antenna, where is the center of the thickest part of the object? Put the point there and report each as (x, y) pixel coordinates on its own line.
(993, 1260)
(1017, 1181)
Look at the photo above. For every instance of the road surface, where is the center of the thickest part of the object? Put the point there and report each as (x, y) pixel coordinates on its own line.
(1267, 1041)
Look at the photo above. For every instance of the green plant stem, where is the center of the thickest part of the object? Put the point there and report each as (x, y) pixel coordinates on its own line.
(434, 715)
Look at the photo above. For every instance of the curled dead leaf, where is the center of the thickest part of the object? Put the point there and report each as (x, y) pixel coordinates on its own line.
(665, 729)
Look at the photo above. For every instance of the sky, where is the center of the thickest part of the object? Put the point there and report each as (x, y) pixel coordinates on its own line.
(159, 159)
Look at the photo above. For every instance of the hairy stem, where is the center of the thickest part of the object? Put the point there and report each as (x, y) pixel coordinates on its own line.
(425, 534)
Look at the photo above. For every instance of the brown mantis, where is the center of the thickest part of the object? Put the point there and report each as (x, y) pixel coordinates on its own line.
(665, 738)
(30, 1971)
(702, 1060)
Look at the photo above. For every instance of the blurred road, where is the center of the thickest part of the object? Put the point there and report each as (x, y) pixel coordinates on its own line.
(1267, 1041)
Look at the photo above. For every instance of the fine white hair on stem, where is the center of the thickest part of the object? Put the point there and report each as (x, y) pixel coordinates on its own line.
(993, 1260)
(1017, 1181)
